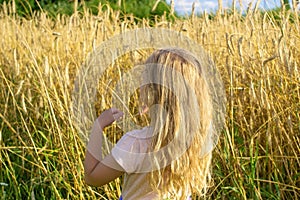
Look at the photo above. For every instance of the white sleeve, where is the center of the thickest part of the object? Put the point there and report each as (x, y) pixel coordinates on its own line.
(129, 152)
(124, 153)
(111, 162)
(120, 156)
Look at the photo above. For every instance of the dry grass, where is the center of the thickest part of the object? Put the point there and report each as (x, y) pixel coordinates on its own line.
(258, 156)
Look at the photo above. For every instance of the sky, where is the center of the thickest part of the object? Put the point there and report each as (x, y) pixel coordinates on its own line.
(185, 6)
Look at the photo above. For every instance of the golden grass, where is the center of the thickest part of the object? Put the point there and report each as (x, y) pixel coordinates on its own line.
(258, 156)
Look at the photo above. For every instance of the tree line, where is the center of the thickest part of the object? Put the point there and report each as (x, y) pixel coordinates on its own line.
(140, 9)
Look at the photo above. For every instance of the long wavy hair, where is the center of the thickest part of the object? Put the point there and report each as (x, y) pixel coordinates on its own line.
(178, 86)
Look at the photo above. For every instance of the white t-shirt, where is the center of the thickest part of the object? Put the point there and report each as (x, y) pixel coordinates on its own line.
(127, 155)
(130, 155)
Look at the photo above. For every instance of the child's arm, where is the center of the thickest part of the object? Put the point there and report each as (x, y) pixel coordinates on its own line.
(96, 173)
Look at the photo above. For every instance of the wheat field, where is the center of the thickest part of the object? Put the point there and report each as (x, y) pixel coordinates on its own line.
(257, 54)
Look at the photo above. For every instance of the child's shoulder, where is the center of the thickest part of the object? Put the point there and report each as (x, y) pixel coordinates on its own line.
(135, 139)
(140, 134)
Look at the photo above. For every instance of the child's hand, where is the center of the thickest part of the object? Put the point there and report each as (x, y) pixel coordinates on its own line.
(109, 116)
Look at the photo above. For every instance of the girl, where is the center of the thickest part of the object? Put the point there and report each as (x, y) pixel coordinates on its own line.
(169, 159)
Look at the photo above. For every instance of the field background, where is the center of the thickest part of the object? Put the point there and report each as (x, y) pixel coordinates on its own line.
(257, 54)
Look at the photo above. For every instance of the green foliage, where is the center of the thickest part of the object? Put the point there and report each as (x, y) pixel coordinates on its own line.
(140, 9)
(278, 14)
(286, 4)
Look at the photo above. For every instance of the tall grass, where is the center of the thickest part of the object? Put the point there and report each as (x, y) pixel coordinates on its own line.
(258, 55)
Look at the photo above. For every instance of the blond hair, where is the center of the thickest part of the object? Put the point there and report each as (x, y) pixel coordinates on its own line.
(185, 119)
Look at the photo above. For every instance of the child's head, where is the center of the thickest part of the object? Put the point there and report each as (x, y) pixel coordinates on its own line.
(184, 114)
